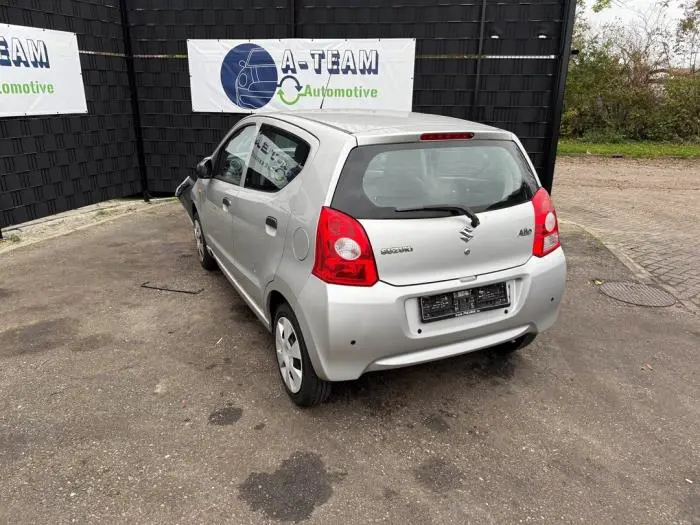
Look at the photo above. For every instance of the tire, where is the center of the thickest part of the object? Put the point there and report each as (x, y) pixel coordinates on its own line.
(300, 381)
(205, 259)
(515, 345)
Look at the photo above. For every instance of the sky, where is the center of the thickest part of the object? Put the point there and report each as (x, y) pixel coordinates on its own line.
(628, 10)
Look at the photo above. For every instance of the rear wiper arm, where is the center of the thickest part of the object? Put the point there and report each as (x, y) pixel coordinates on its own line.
(461, 210)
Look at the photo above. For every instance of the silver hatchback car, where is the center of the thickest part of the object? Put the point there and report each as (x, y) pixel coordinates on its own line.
(374, 240)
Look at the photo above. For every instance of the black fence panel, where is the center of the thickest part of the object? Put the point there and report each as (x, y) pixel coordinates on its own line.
(497, 62)
(174, 137)
(497, 66)
(50, 164)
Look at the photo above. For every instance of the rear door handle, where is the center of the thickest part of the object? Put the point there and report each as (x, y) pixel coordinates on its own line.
(271, 222)
(226, 202)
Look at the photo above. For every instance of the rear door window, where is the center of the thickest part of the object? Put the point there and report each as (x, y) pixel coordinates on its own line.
(479, 174)
(277, 158)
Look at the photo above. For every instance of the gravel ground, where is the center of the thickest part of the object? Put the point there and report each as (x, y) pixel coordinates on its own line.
(131, 405)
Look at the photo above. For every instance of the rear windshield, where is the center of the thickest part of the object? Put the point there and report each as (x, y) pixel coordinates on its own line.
(479, 174)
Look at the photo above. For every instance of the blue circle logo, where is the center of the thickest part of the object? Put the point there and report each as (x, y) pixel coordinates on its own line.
(249, 76)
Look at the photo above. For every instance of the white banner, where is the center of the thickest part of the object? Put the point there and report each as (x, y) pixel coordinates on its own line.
(243, 76)
(39, 72)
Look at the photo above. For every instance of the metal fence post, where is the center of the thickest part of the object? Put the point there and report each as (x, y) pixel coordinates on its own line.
(293, 17)
(477, 78)
(131, 74)
(547, 178)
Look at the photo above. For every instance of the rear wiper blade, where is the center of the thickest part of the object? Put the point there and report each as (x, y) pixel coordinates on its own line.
(461, 210)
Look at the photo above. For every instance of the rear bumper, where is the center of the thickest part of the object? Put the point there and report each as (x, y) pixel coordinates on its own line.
(352, 330)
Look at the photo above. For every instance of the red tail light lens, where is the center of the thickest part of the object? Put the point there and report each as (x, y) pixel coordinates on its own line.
(343, 251)
(546, 225)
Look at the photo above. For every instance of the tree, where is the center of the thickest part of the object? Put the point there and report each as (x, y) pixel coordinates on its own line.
(599, 5)
(688, 34)
(644, 46)
(687, 48)
(625, 84)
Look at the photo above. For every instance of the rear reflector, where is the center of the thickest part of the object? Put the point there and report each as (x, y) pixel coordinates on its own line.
(447, 136)
(546, 224)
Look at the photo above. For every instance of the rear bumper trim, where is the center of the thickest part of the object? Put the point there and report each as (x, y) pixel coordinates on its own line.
(454, 349)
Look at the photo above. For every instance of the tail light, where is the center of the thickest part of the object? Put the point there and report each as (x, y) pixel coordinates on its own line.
(343, 251)
(546, 225)
(447, 136)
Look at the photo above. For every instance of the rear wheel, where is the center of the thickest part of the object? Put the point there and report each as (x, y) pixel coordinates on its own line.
(515, 344)
(300, 380)
(205, 259)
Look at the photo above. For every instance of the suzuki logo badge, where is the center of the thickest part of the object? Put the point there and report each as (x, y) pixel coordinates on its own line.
(467, 233)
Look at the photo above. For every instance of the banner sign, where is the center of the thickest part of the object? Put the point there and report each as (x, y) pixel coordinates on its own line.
(244, 76)
(39, 72)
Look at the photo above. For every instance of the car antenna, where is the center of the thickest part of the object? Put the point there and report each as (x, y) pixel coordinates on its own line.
(324, 91)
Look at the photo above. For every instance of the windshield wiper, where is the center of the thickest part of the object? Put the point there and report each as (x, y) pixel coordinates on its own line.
(461, 210)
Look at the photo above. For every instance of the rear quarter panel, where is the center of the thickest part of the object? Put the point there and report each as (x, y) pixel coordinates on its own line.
(305, 206)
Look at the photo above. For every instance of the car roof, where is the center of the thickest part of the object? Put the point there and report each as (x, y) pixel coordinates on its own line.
(366, 124)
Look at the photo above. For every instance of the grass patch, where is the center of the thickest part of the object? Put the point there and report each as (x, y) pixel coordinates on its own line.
(11, 238)
(629, 149)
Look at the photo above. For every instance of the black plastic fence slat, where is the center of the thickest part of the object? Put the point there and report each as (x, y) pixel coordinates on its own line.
(81, 159)
(447, 32)
(67, 147)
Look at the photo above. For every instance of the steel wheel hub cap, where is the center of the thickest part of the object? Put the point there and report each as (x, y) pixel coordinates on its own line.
(200, 240)
(288, 354)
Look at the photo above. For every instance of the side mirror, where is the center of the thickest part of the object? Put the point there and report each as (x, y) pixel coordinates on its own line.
(203, 169)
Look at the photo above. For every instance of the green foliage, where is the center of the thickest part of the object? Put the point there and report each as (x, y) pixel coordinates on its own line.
(688, 33)
(621, 87)
(629, 149)
(599, 5)
(678, 115)
(11, 238)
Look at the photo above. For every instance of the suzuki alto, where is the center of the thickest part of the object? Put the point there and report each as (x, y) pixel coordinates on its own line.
(368, 240)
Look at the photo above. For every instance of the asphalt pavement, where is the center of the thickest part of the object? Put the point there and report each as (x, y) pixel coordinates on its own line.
(128, 404)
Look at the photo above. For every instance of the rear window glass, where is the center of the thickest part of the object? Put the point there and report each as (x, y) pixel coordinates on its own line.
(479, 174)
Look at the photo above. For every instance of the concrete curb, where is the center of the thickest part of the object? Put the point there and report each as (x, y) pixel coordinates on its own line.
(100, 206)
(22, 244)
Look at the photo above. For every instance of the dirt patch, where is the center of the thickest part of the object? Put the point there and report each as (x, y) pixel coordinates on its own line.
(438, 475)
(225, 416)
(436, 423)
(390, 493)
(94, 342)
(37, 337)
